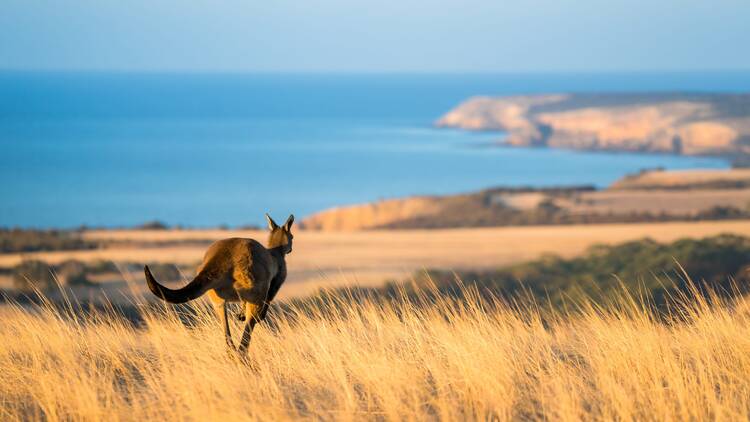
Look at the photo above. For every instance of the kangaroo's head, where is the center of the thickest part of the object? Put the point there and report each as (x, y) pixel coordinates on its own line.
(280, 236)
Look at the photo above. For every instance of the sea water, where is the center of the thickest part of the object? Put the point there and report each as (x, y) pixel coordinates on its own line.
(118, 149)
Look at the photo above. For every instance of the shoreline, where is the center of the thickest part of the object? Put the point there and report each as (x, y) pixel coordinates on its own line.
(677, 123)
(221, 226)
(647, 196)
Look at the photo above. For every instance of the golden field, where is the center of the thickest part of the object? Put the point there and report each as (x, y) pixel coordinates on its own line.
(369, 257)
(684, 179)
(385, 361)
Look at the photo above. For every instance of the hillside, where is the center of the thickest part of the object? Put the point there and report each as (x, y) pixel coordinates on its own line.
(690, 124)
(648, 196)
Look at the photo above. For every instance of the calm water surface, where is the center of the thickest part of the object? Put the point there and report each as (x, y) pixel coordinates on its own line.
(202, 150)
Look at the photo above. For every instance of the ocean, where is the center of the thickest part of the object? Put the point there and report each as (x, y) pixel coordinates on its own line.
(202, 150)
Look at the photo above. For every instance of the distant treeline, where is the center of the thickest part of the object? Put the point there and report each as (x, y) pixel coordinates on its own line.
(34, 274)
(478, 210)
(27, 240)
(17, 240)
(643, 268)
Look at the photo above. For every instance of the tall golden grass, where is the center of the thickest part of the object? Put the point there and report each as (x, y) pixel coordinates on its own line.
(395, 360)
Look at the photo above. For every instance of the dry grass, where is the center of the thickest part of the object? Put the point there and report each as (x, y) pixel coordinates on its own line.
(369, 257)
(393, 361)
(684, 178)
(668, 202)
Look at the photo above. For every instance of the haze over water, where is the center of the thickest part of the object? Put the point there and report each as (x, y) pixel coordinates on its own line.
(111, 149)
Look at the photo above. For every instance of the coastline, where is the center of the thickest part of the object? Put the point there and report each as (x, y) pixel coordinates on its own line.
(684, 124)
(383, 143)
(647, 196)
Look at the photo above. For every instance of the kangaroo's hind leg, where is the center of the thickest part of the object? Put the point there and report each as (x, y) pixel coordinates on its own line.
(220, 306)
(252, 314)
(275, 286)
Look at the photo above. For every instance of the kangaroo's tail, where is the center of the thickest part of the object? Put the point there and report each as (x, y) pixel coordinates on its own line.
(193, 290)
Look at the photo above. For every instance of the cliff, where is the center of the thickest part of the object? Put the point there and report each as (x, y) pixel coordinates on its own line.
(690, 124)
(371, 215)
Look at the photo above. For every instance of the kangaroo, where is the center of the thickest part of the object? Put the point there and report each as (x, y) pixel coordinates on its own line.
(237, 270)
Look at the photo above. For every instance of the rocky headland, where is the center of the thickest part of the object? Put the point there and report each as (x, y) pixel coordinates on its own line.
(689, 124)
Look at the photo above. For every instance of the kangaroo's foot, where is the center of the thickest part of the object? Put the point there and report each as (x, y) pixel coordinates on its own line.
(246, 361)
(242, 356)
(231, 353)
(235, 355)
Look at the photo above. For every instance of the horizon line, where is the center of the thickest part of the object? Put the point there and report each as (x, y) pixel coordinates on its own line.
(314, 72)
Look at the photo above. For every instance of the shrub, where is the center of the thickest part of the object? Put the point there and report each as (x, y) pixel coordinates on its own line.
(642, 267)
(33, 274)
(72, 273)
(153, 225)
(19, 240)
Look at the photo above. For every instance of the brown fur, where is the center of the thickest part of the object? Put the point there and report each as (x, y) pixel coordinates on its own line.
(237, 270)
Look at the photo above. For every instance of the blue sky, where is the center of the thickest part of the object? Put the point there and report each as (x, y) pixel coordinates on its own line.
(375, 36)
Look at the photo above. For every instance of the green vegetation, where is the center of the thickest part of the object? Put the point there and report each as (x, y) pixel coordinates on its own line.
(153, 225)
(33, 274)
(644, 268)
(482, 209)
(38, 275)
(21, 240)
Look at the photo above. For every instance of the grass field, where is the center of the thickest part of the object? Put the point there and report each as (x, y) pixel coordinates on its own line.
(369, 257)
(385, 361)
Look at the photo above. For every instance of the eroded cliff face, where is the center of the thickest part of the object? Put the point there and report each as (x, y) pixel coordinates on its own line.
(665, 123)
(372, 215)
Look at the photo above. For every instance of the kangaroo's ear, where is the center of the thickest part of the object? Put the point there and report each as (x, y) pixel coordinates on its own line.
(289, 221)
(271, 224)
